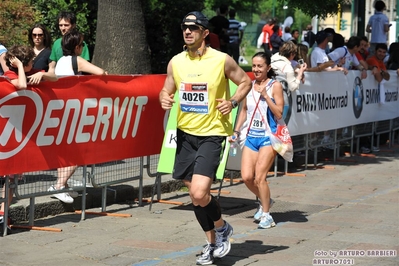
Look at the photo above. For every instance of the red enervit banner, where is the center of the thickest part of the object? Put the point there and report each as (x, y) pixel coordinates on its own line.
(79, 120)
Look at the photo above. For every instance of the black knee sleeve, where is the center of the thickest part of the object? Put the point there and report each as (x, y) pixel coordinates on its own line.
(213, 209)
(203, 219)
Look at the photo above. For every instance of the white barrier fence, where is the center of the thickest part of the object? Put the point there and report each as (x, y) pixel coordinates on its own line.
(344, 107)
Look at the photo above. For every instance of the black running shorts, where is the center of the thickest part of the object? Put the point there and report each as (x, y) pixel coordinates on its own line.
(197, 155)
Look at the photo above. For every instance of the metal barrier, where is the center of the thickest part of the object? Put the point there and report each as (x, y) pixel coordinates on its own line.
(348, 136)
(151, 164)
(395, 128)
(383, 127)
(4, 189)
(116, 172)
(36, 184)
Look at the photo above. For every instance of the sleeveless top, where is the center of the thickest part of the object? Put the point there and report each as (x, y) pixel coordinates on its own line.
(199, 82)
(64, 66)
(42, 60)
(262, 119)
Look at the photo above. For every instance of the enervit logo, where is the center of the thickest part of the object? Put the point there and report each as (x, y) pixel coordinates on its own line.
(357, 97)
(15, 115)
(66, 121)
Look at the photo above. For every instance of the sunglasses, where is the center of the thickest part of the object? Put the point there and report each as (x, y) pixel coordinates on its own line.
(37, 35)
(184, 27)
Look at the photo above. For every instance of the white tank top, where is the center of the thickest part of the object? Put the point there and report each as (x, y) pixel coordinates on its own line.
(64, 66)
(258, 114)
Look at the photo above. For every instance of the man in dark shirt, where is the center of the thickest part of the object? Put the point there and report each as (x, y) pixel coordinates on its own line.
(310, 37)
(221, 26)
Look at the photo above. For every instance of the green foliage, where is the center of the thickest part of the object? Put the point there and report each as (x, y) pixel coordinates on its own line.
(85, 11)
(301, 20)
(16, 17)
(320, 8)
(264, 8)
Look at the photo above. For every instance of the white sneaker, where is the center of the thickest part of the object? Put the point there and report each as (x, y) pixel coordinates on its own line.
(259, 211)
(64, 196)
(223, 245)
(206, 256)
(266, 222)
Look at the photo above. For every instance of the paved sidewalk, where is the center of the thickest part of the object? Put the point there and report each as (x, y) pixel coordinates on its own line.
(351, 205)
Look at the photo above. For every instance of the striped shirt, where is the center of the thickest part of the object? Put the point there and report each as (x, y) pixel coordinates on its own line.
(234, 30)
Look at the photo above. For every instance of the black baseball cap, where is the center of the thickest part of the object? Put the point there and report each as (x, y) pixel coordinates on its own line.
(200, 19)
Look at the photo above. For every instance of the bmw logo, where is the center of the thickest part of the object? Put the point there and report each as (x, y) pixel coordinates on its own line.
(358, 97)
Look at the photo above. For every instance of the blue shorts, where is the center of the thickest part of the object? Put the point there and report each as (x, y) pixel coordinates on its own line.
(255, 143)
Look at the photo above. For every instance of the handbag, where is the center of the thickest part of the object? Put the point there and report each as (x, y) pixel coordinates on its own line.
(281, 141)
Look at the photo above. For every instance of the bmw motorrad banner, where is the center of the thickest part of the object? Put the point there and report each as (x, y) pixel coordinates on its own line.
(331, 100)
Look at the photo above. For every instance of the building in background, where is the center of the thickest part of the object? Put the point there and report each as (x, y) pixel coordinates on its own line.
(353, 18)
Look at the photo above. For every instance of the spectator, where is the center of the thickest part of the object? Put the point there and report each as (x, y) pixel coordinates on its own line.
(347, 55)
(309, 36)
(281, 64)
(72, 47)
(221, 26)
(378, 26)
(71, 64)
(267, 33)
(19, 60)
(287, 34)
(295, 36)
(275, 39)
(3, 65)
(264, 104)
(376, 63)
(236, 32)
(393, 61)
(318, 56)
(303, 53)
(364, 48)
(200, 137)
(40, 40)
(66, 22)
(212, 39)
(338, 41)
(363, 53)
(331, 34)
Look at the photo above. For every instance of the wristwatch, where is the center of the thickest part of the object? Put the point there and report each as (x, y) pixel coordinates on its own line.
(234, 103)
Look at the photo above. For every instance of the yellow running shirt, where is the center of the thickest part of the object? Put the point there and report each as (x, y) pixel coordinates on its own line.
(199, 82)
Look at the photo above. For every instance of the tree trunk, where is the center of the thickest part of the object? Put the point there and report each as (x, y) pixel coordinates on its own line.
(121, 43)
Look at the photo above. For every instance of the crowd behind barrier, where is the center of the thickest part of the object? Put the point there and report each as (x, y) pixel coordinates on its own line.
(110, 99)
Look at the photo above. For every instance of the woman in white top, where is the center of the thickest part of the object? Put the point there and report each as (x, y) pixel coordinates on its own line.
(72, 46)
(281, 63)
(260, 110)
